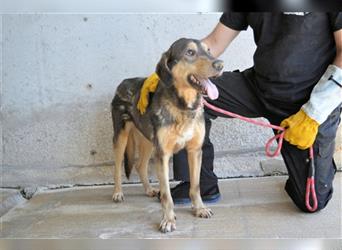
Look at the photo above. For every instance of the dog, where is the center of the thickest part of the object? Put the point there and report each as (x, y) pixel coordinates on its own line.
(174, 120)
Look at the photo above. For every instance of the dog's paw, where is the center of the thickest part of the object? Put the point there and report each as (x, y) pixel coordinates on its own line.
(118, 197)
(204, 212)
(167, 225)
(152, 192)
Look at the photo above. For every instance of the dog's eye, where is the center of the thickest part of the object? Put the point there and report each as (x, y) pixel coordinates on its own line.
(190, 52)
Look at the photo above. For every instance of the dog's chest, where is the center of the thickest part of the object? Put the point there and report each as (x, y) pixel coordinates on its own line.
(185, 133)
(177, 127)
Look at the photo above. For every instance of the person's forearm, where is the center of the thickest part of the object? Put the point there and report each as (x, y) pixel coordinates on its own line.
(219, 39)
(212, 42)
(338, 58)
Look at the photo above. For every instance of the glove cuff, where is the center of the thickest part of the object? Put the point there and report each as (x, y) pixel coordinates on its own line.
(326, 95)
(335, 74)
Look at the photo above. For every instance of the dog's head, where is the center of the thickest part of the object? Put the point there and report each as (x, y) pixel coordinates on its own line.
(188, 62)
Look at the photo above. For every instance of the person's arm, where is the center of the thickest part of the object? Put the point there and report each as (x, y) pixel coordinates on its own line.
(326, 96)
(219, 39)
(338, 40)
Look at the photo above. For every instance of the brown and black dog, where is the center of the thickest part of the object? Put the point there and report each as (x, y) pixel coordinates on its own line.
(174, 120)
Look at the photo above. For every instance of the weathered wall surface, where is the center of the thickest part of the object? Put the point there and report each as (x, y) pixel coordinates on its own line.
(59, 76)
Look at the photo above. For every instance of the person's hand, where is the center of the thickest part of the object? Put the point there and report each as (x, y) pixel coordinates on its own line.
(149, 86)
(301, 130)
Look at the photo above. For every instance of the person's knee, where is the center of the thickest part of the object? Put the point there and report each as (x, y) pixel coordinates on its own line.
(299, 198)
(321, 204)
(324, 195)
(302, 205)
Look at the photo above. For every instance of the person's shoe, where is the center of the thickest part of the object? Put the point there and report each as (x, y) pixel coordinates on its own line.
(211, 194)
(180, 193)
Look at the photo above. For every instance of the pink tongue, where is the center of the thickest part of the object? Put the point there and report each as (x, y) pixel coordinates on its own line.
(211, 89)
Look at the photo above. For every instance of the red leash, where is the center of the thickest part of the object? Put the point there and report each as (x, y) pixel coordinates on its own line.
(280, 135)
(310, 183)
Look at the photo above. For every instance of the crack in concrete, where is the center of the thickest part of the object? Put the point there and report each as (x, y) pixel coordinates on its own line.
(28, 192)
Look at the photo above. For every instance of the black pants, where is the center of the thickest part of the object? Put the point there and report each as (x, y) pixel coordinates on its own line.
(239, 94)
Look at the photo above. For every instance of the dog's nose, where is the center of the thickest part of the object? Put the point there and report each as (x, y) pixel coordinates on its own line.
(218, 65)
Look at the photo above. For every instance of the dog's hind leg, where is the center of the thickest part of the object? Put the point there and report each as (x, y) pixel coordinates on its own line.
(145, 151)
(129, 154)
(119, 147)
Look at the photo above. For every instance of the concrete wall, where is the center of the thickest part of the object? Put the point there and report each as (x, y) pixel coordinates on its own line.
(59, 76)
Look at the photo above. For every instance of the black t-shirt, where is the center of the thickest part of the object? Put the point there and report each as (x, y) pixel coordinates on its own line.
(293, 50)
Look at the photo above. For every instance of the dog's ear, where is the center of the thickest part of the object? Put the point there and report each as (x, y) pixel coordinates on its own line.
(163, 70)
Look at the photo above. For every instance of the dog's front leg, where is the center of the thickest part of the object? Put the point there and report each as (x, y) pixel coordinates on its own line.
(168, 223)
(194, 159)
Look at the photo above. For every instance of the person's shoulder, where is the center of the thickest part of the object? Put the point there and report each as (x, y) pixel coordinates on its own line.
(235, 20)
(335, 20)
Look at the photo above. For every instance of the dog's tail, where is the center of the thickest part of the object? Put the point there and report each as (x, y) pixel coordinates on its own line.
(129, 155)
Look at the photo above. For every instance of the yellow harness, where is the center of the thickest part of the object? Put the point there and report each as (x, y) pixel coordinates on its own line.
(149, 86)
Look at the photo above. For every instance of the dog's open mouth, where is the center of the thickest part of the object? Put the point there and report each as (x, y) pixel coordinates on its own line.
(205, 85)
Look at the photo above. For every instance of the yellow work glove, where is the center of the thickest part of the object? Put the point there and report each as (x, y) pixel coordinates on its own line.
(301, 130)
(149, 86)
